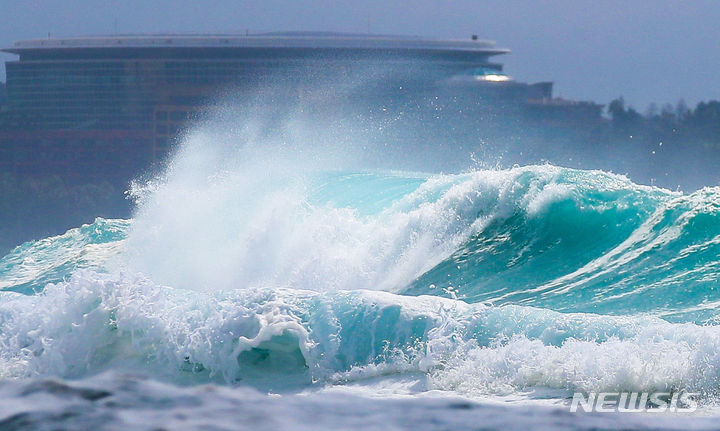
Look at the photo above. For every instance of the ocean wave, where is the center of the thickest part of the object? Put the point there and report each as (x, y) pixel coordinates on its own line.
(285, 338)
(486, 282)
(556, 238)
(31, 266)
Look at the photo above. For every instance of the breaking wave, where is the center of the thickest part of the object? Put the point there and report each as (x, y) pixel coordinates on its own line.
(491, 282)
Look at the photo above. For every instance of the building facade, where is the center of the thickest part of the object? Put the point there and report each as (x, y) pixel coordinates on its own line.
(118, 102)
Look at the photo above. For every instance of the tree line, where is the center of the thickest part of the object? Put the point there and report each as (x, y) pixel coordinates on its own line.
(671, 123)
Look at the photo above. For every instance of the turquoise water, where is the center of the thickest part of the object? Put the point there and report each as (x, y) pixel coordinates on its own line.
(486, 283)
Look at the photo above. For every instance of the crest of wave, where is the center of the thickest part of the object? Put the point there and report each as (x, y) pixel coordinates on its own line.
(226, 217)
(241, 204)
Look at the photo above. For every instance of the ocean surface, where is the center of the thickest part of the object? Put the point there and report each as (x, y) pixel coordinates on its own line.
(366, 299)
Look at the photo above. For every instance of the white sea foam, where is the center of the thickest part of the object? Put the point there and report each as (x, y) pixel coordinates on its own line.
(273, 337)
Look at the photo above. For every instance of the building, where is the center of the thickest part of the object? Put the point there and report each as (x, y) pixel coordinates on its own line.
(114, 104)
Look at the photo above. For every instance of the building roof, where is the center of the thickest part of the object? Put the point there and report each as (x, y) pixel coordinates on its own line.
(266, 40)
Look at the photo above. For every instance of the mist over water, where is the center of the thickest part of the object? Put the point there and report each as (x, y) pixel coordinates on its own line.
(316, 240)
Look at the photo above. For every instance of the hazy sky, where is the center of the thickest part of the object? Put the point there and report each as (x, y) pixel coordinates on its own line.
(646, 50)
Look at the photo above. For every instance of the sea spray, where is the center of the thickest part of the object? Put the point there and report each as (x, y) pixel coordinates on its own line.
(359, 296)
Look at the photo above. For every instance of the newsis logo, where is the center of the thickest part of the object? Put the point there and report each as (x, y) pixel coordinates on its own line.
(635, 402)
